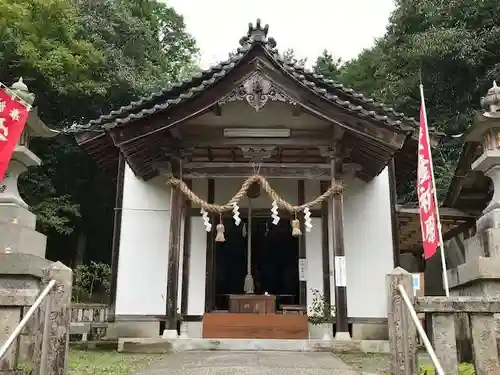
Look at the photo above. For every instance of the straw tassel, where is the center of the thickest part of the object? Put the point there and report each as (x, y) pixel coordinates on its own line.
(220, 232)
(296, 232)
(249, 285)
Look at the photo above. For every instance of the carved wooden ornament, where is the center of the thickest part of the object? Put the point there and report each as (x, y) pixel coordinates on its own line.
(256, 91)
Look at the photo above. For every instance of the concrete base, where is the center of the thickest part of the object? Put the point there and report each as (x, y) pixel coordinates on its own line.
(370, 331)
(125, 329)
(170, 334)
(194, 329)
(319, 332)
(342, 336)
(162, 346)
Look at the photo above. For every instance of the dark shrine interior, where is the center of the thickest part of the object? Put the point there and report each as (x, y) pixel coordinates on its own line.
(274, 261)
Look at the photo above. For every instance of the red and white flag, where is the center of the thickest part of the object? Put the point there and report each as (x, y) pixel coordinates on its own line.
(425, 189)
(13, 117)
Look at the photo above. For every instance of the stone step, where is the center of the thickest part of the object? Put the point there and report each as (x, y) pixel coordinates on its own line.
(161, 345)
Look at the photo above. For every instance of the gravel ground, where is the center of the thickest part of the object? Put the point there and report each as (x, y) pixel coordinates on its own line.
(376, 363)
(250, 363)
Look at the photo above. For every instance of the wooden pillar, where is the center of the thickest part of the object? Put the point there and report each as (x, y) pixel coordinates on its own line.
(394, 214)
(210, 261)
(324, 185)
(117, 229)
(339, 253)
(186, 253)
(174, 248)
(301, 192)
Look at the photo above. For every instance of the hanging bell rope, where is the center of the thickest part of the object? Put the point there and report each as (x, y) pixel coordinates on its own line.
(249, 286)
(216, 208)
(296, 232)
(220, 231)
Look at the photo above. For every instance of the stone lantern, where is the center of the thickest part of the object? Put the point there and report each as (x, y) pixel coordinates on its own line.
(486, 131)
(17, 222)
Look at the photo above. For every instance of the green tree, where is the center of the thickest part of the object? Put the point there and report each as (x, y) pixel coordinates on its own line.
(290, 57)
(453, 47)
(327, 65)
(83, 58)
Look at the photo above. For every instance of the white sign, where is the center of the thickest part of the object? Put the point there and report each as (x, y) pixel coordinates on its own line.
(340, 271)
(302, 269)
(416, 282)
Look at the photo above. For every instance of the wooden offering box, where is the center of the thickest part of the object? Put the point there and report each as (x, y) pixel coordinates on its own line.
(252, 304)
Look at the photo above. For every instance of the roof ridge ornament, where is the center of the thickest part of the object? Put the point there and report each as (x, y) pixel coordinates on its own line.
(256, 90)
(257, 34)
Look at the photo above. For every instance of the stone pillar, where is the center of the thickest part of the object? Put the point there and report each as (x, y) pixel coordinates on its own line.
(17, 223)
(402, 331)
(55, 346)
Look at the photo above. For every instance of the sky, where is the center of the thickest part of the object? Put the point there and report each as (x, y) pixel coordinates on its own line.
(344, 27)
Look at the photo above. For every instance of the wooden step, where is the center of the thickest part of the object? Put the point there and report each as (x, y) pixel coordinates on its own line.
(255, 326)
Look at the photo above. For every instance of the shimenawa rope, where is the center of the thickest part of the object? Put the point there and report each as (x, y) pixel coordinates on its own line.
(216, 208)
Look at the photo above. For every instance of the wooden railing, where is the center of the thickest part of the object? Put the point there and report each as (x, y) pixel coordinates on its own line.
(89, 321)
(443, 313)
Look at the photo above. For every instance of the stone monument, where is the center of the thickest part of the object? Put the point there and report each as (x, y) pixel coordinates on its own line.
(479, 275)
(17, 223)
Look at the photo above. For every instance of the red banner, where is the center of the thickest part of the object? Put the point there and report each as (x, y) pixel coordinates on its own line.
(427, 203)
(13, 117)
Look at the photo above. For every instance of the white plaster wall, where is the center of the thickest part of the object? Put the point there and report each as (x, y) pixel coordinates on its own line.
(368, 246)
(198, 258)
(314, 257)
(143, 258)
(197, 267)
(367, 239)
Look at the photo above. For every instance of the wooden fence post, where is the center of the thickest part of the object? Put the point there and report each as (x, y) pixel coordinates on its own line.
(402, 331)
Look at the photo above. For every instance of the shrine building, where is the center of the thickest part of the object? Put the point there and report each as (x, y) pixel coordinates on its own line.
(179, 155)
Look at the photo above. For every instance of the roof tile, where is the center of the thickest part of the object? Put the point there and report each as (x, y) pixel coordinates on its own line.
(182, 91)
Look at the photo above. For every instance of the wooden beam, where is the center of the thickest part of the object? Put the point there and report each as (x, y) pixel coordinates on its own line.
(207, 165)
(469, 151)
(444, 212)
(342, 325)
(206, 136)
(115, 246)
(173, 259)
(325, 246)
(396, 252)
(269, 173)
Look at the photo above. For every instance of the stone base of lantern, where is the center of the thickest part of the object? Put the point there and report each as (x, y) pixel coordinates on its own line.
(490, 218)
(17, 231)
(17, 223)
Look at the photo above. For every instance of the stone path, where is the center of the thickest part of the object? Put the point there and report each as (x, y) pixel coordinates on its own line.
(250, 363)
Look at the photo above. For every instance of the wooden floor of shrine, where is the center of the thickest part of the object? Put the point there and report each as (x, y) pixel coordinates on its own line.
(224, 325)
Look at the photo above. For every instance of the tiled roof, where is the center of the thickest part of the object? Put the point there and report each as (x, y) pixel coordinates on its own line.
(257, 35)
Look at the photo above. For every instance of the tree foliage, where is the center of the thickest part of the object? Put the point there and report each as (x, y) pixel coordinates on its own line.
(83, 58)
(452, 47)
